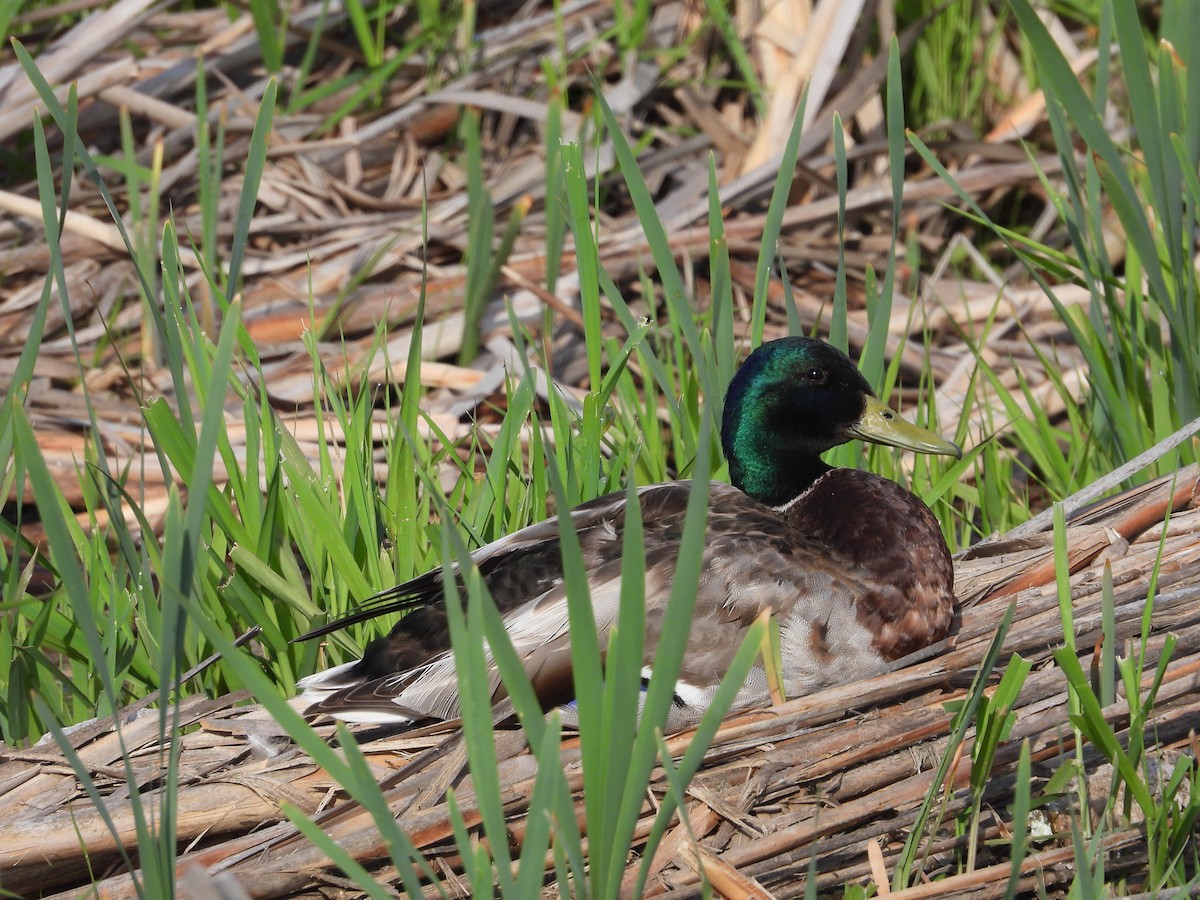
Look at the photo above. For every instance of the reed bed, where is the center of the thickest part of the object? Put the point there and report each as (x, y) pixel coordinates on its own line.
(824, 787)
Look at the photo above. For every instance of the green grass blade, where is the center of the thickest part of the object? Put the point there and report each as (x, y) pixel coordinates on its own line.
(773, 223)
(964, 715)
(475, 696)
(731, 682)
(256, 159)
(674, 291)
(668, 659)
(1020, 823)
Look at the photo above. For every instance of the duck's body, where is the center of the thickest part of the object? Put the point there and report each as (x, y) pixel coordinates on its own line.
(854, 566)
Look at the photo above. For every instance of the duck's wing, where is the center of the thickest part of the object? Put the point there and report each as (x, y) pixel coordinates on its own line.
(516, 568)
(410, 673)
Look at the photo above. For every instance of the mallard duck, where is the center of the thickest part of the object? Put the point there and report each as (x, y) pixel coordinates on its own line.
(853, 565)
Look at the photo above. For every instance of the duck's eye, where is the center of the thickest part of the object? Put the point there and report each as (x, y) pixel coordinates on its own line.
(815, 376)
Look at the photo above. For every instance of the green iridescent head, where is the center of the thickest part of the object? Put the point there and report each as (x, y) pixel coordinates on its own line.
(792, 400)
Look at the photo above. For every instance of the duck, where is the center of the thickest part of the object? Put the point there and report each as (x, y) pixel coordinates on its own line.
(853, 566)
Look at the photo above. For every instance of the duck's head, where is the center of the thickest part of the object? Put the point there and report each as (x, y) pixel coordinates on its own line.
(795, 398)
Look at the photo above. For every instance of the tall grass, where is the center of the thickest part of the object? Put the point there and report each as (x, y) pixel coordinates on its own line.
(285, 539)
(1142, 323)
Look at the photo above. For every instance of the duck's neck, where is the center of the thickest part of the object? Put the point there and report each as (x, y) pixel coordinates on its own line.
(774, 438)
(770, 483)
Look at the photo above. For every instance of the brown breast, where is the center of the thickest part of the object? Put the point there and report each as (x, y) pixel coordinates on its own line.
(890, 540)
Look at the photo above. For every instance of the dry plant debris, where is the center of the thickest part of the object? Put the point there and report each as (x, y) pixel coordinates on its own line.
(336, 239)
(337, 249)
